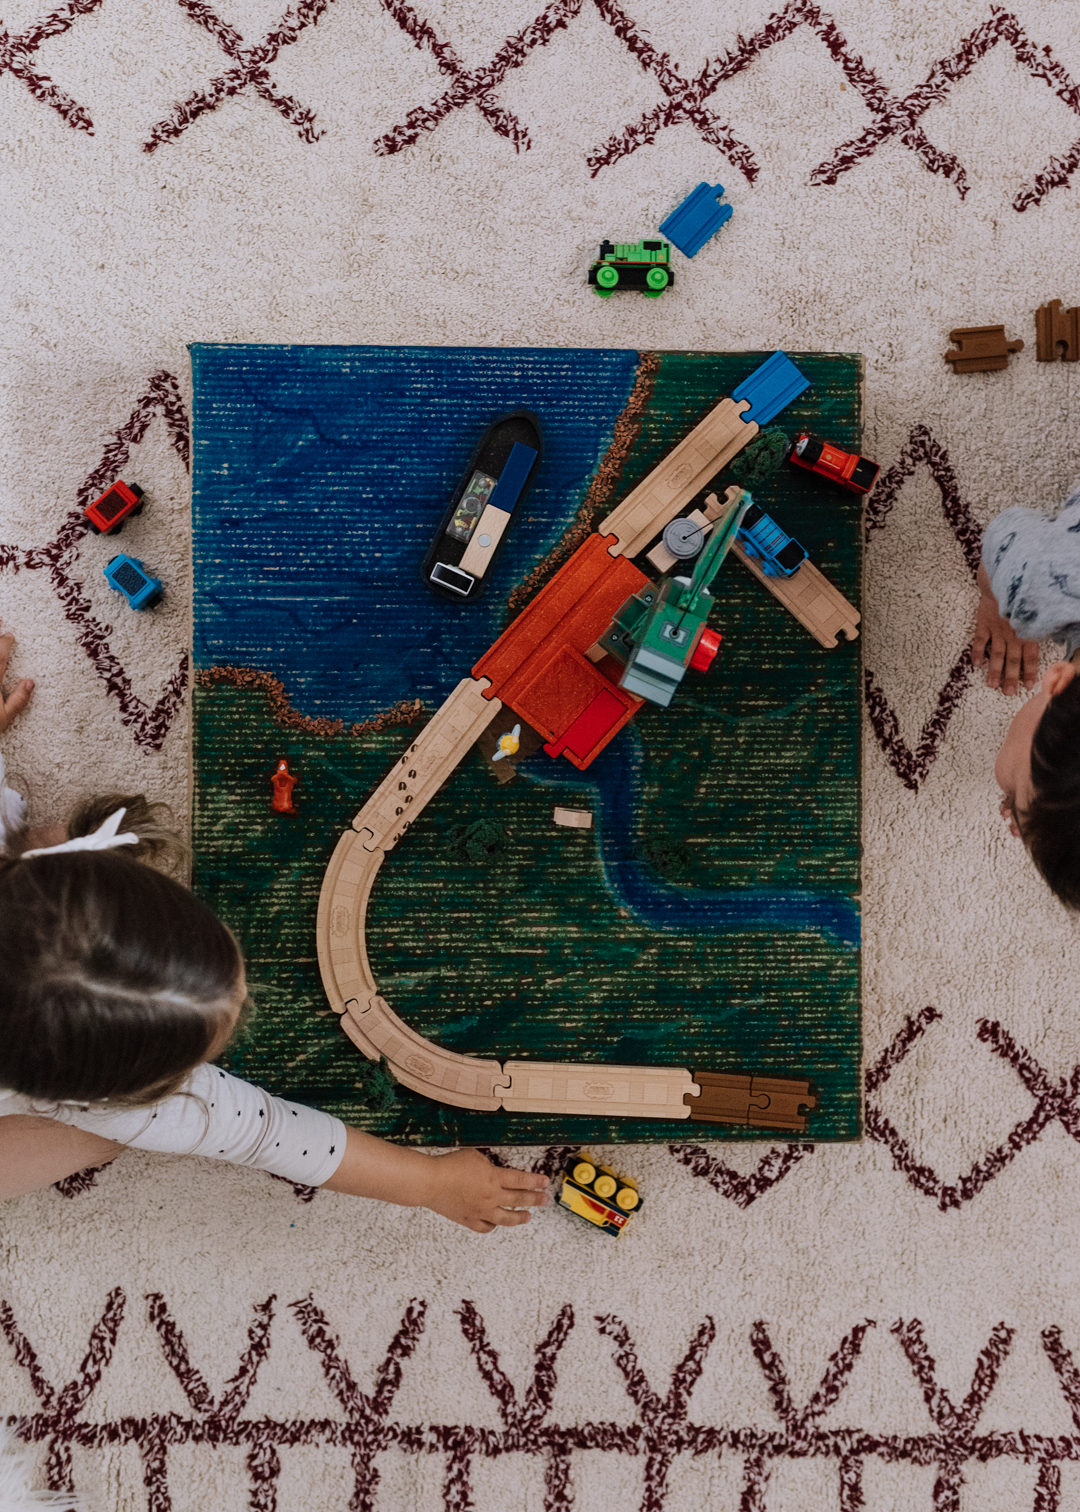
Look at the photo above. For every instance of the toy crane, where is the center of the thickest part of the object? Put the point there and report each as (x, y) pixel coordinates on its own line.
(661, 631)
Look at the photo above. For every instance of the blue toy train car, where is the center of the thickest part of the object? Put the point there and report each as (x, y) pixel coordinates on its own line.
(775, 552)
(128, 576)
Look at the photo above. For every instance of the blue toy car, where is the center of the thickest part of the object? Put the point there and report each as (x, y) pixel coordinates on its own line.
(775, 552)
(129, 577)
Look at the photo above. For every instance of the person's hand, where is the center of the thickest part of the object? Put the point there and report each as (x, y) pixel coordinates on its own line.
(468, 1189)
(19, 697)
(996, 643)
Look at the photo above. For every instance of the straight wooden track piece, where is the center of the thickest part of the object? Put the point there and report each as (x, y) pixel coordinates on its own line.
(811, 598)
(760, 1102)
(418, 775)
(621, 1091)
(684, 472)
(1057, 332)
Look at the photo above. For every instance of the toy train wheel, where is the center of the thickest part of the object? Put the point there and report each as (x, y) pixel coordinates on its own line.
(605, 1186)
(657, 279)
(583, 1173)
(627, 1199)
(607, 278)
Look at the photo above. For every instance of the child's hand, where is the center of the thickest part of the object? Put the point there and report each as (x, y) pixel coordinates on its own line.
(16, 701)
(467, 1188)
(1008, 652)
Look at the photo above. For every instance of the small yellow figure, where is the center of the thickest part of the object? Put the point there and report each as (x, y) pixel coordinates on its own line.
(509, 744)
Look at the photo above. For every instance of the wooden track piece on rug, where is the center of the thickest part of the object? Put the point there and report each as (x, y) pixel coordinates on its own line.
(981, 349)
(1057, 332)
(684, 472)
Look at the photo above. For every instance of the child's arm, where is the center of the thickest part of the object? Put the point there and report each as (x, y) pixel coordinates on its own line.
(220, 1116)
(463, 1186)
(1029, 582)
(19, 697)
(997, 643)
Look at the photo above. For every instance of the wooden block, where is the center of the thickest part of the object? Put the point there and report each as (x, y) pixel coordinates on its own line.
(811, 598)
(619, 1091)
(572, 818)
(484, 539)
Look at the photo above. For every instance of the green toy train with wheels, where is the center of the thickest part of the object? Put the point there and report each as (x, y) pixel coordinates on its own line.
(644, 265)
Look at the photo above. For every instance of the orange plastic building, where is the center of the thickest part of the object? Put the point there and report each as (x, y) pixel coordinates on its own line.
(538, 667)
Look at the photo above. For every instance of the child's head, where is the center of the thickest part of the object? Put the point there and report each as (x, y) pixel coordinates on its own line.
(1038, 770)
(115, 981)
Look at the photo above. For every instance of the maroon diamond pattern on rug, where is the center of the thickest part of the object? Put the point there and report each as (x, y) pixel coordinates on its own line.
(921, 450)
(57, 559)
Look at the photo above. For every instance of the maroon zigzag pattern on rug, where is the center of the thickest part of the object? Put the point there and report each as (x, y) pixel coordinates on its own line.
(921, 450)
(661, 1433)
(57, 558)
(686, 98)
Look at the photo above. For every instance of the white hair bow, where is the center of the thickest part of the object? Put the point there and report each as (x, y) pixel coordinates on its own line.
(105, 837)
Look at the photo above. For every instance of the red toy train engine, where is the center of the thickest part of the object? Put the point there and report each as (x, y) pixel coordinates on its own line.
(858, 474)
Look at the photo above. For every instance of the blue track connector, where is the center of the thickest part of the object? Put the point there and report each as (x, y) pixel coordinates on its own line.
(770, 388)
(699, 217)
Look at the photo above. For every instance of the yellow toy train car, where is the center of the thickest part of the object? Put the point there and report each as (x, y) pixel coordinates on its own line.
(596, 1194)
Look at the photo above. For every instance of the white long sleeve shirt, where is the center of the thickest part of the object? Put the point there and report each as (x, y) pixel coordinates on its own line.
(216, 1115)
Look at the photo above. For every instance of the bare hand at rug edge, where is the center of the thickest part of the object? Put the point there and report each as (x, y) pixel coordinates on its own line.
(19, 697)
(1008, 653)
(463, 1186)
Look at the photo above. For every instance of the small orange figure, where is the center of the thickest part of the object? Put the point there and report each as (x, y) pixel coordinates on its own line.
(283, 783)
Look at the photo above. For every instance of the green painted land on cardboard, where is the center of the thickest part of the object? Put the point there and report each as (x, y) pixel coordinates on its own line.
(751, 778)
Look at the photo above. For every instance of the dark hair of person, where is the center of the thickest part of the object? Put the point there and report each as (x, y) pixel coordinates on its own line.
(1050, 824)
(115, 980)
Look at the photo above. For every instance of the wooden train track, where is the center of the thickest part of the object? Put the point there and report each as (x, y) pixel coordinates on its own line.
(467, 1081)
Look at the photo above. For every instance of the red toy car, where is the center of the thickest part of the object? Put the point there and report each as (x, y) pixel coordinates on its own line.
(858, 474)
(108, 513)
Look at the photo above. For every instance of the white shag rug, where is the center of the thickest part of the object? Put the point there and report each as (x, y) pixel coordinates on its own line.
(893, 1325)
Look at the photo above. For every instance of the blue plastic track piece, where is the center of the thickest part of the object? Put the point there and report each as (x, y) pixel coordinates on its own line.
(512, 479)
(699, 217)
(770, 388)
